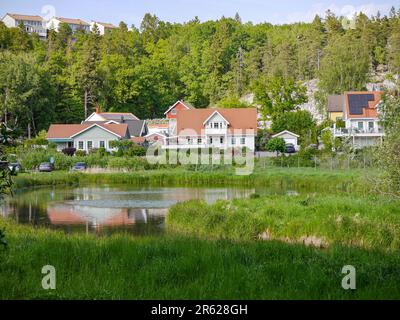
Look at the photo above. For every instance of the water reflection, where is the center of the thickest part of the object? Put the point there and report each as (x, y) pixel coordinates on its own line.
(105, 210)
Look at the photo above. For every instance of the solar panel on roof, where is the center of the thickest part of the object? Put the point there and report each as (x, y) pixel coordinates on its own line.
(359, 101)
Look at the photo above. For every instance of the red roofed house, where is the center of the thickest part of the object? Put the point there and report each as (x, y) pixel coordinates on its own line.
(86, 136)
(179, 105)
(214, 128)
(361, 116)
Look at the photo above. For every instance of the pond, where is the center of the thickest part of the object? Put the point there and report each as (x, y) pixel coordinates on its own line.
(108, 209)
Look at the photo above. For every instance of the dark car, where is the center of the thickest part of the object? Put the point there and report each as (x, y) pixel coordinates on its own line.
(290, 148)
(79, 166)
(46, 167)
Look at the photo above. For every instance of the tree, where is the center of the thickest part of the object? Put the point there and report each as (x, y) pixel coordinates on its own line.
(299, 122)
(277, 145)
(278, 95)
(389, 153)
(345, 65)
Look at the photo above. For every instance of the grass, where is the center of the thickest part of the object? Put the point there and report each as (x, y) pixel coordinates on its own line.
(174, 267)
(349, 220)
(299, 178)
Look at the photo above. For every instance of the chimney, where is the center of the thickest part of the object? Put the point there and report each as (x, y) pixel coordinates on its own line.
(122, 119)
(98, 109)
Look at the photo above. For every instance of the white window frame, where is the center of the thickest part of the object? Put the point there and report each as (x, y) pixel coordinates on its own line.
(79, 145)
(243, 141)
(233, 141)
(87, 145)
(104, 142)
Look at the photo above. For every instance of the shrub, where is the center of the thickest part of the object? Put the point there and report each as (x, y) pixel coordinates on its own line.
(69, 151)
(132, 163)
(80, 153)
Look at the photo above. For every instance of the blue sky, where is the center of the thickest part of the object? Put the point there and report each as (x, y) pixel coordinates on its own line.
(274, 11)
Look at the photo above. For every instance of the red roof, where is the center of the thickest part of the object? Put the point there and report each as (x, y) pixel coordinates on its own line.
(239, 119)
(371, 111)
(65, 131)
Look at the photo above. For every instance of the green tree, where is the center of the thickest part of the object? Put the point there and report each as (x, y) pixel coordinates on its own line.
(277, 145)
(278, 95)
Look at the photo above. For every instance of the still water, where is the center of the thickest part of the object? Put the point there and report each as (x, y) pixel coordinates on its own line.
(107, 209)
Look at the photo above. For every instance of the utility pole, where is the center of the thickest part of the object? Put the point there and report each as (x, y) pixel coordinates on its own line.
(85, 103)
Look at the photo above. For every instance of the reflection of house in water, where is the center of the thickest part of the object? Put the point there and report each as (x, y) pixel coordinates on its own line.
(96, 217)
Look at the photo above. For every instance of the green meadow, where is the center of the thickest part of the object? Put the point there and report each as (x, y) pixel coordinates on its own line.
(264, 247)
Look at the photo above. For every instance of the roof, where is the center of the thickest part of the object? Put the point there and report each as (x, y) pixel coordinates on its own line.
(67, 131)
(72, 21)
(17, 16)
(136, 127)
(336, 103)
(239, 119)
(285, 132)
(362, 104)
(185, 103)
(105, 24)
(118, 115)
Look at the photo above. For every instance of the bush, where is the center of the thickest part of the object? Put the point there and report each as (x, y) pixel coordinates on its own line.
(80, 153)
(69, 151)
(133, 163)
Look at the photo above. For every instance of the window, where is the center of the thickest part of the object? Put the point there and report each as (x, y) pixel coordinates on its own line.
(243, 140)
(221, 140)
(90, 145)
(371, 125)
(233, 141)
(102, 144)
(173, 112)
(199, 141)
(211, 140)
(216, 125)
(80, 145)
(189, 140)
(360, 125)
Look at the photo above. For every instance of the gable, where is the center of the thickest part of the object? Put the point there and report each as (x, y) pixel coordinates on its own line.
(94, 133)
(216, 117)
(95, 117)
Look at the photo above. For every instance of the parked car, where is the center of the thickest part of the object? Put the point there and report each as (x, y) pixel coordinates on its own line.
(46, 167)
(290, 148)
(14, 167)
(79, 166)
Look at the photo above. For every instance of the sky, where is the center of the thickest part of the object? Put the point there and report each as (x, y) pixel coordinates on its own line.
(132, 12)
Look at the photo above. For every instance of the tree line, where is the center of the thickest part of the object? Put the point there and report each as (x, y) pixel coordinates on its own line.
(143, 70)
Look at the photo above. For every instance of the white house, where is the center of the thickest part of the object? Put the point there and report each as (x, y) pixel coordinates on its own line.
(214, 128)
(32, 24)
(74, 24)
(289, 137)
(103, 27)
(361, 116)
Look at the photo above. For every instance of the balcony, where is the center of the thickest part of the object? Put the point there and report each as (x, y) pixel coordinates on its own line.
(345, 132)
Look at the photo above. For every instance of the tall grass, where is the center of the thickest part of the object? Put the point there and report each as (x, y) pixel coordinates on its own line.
(369, 222)
(122, 267)
(300, 179)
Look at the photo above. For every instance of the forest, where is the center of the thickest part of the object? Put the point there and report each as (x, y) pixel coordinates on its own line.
(145, 69)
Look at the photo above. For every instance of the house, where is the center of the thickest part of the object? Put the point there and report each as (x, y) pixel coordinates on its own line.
(361, 116)
(32, 24)
(136, 127)
(86, 136)
(158, 126)
(336, 106)
(289, 137)
(214, 128)
(179, 105)
(103, 27)
(74, 24)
